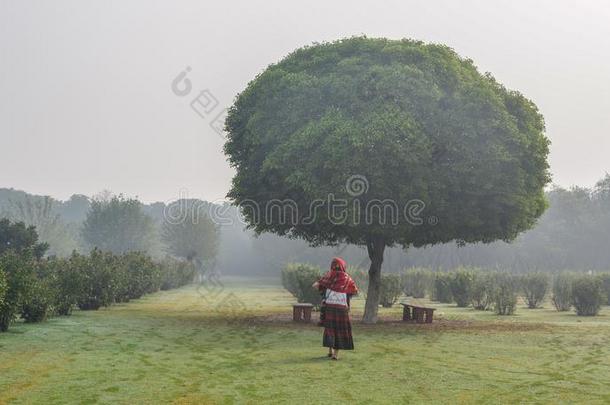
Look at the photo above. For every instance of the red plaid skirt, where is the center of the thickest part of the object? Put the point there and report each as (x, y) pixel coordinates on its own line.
(337, 329)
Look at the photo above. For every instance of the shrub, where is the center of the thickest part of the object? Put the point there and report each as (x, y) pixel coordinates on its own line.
(504, 293)
(391, 289)
(97, 274)
(38, 302)
(417, 281)
(3, 288)
(562, 292)
(535, 287)
(481, 295)
(442, 288)
(361, 278)
(605, 278)
(141, 275)
(297, 278)
(35, 287)
(18, 270)
(63, 283)
(175, 273)
(461, 286)
(587, 295)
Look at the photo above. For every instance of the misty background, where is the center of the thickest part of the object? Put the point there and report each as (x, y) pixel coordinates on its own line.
(572, 235)
(87, 105)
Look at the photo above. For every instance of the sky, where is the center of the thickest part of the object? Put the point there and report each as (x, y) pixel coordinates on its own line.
(87, 100)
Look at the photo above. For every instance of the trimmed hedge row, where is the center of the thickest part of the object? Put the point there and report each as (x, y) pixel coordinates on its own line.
(36, 289)
(499, 290)
(481, 289)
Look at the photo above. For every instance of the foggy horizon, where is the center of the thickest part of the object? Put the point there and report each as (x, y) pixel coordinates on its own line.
(88, 103)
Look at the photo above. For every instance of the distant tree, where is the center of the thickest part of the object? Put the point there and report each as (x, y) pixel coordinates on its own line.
(117, 224)
(41, 212)
(412, 121)
(75, 209)
(20, 238)
(190, 233)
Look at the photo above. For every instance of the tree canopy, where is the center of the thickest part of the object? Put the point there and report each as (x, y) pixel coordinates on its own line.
(413, 122)
(19, 238)
(416, 120)
(117, 224)
(189, 232)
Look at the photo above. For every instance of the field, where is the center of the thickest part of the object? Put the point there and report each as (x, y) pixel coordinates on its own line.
(200, 345)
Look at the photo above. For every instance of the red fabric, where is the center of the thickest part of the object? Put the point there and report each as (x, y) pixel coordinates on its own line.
(337, 279)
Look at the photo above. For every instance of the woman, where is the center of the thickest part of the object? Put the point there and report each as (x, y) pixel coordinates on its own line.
(338, 287)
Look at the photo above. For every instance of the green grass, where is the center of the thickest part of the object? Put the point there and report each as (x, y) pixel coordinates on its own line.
(180, 346)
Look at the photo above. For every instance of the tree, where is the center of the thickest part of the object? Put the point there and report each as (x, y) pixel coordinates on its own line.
(189, 232)
(41, 212)
(117, 224)
(369, 126)
(20, 238)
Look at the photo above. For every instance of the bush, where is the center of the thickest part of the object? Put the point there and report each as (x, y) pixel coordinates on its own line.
(587, 295)
(18, 270)
(562, 292)
(141, 275)
(297, 278)
(442, 288)
(62, 283)
(35, 288)
(504, 293)
(38, 302)
(605, 278)
(361, 278)
(3, 288)
(391, 289)
(417, 281)
(97, 274)
(461, 286)
(481, 295)
(535, 287)
(175, 273)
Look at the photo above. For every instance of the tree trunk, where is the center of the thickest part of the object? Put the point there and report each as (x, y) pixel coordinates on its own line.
(375, 247)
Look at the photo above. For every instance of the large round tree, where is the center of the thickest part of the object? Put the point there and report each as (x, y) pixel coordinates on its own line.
(378, 142)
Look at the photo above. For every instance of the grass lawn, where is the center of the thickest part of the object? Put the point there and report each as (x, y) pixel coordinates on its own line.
(199, 345)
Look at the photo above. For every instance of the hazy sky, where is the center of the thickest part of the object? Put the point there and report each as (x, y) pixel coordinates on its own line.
(86, 101)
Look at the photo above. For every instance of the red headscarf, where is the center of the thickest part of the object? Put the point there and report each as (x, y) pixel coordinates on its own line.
(337, 279)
